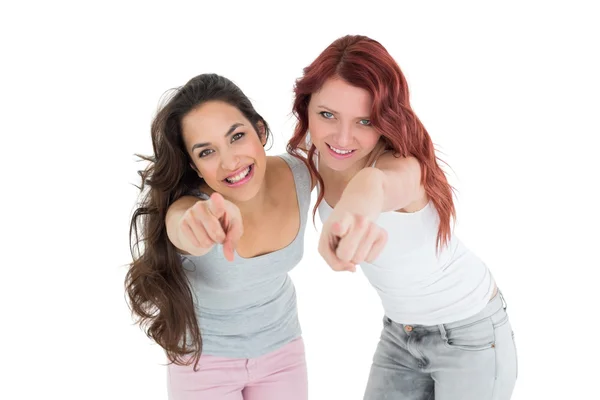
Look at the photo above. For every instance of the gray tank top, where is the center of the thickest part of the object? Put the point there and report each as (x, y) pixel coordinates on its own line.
(247, 308)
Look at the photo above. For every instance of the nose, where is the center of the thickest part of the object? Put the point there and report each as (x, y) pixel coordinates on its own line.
(229, 161)
(343, 136)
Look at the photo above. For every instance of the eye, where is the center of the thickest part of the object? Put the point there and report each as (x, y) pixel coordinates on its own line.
(237, 136)
(326, 114)
(365, 122)
(205, 153)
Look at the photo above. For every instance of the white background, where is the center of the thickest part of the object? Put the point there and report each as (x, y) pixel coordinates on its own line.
(509, 93)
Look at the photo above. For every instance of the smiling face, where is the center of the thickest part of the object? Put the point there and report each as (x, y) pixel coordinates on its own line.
(340, 126)
(226, 150)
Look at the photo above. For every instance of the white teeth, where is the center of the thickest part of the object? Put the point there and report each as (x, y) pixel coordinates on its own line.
(238, 177)
(338, 151)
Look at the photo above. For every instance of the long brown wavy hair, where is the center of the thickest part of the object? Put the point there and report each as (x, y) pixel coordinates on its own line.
(365, 63)
(157, 289)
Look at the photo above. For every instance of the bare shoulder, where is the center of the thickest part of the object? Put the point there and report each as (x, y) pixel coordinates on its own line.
(389, 160)
(282, 170)
(278, 172)
(278, 167)
(409, 168)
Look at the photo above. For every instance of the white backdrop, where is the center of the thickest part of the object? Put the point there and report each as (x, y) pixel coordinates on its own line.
(509, 93)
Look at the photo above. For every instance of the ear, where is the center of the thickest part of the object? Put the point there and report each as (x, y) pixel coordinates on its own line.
(196, 169)
(262, 132)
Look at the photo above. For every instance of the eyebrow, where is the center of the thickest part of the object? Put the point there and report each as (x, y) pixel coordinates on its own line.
(335, 112)
(327, 108)
(231, 129)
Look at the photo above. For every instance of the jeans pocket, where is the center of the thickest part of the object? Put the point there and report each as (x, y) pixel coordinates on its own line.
(499, 318)
(477, 336)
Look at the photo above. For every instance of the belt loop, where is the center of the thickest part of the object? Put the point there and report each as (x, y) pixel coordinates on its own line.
(443, 332)
(504, 305)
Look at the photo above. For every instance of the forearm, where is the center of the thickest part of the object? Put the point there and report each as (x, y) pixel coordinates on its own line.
(375, 190)
(364, 194)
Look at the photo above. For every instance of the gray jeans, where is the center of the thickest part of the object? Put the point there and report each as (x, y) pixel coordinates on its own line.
(472, 359)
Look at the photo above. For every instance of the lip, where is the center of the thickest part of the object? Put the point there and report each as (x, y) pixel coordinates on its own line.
(244, 180)
(340, 156)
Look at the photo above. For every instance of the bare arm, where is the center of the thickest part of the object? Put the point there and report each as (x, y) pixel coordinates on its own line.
(350, 235)
(395, 184)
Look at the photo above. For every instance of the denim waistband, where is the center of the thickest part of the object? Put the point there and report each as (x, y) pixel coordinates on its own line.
(492, 307)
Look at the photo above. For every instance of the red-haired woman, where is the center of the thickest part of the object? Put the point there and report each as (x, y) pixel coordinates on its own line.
(386, 205)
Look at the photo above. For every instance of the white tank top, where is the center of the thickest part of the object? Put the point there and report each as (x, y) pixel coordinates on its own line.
(416, 284)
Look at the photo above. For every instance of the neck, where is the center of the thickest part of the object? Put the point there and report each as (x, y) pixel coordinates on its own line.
(257, 205)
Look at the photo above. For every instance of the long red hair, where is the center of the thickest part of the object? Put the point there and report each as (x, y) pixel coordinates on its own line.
(365, 63)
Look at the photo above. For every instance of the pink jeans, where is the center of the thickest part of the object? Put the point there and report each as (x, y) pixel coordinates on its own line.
(280, 374)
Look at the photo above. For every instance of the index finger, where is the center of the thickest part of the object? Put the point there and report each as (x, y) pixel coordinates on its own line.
(233, 235)
(216, 205)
